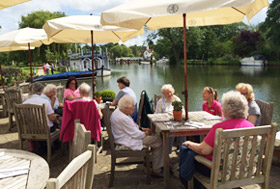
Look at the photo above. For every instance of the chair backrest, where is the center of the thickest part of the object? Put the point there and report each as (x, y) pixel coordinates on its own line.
(266, 111)
(78, 173)
(60, 93)
(141, 105)
(107, 122)
(156, 98)
(24, 87)
(32, 121)
(82, 139)
(13, 95)
(242, 156)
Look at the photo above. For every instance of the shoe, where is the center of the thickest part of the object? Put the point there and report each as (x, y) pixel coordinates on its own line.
(157, 175)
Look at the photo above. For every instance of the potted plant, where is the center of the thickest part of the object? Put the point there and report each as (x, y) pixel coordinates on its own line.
(177, 110)
(98, 97)
(108, 95)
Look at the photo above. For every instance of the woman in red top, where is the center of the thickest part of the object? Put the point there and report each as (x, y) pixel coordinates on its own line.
(211, 104)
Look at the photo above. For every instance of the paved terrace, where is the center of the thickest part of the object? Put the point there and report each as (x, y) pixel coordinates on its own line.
(126, 176)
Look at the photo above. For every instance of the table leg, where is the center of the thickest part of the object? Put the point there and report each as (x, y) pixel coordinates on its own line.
(165, 158)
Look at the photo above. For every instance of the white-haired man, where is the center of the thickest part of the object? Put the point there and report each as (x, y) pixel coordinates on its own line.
(127, 133)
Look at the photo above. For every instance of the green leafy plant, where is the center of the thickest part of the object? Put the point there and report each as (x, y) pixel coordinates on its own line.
(177, 106)
(108, 94)
(97, 94)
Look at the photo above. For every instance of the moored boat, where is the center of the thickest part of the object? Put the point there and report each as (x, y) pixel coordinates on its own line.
(257, 60)
(65, 75)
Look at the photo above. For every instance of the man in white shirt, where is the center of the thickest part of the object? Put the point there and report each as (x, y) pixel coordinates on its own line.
(36, 90)
(127, 133)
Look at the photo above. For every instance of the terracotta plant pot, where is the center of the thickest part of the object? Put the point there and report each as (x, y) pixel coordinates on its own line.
(177, 115)
(98, 99)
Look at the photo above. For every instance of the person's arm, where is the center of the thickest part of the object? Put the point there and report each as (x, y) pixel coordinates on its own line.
(53, 99)
(71, 97)
(252, 119)
(131, 129)
(118, 97)
(201, 148)
(114, 103)
(52, 117)
(100, 113)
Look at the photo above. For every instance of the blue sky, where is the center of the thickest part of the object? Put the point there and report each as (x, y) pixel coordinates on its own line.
(10, 17)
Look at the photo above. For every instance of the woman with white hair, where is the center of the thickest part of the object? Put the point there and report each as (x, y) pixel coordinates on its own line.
(254, 110)
(164, 104)
(235, 110)
(85, 89)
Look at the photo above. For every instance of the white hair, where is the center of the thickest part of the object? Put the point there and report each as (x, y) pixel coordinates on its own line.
(126, 102)
(167, 87)
(235, 105)
(84, 88)
(48, 88)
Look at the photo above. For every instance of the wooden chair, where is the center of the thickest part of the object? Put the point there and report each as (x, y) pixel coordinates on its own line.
(60, 93)
(12, 95)
(78, 174)
(156, 98)
(241, 157)
(81, 140)
(24, 87)
(266, 111)
(32, 124)
(123, 153)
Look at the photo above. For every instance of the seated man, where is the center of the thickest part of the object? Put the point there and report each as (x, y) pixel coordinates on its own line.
(84, 89)
(49, 93)
(127, 133)
(35, 92)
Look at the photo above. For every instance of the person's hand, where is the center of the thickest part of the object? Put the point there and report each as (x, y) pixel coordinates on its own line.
(186, 143)
(147, 133)
(145, 129)
(53, 98)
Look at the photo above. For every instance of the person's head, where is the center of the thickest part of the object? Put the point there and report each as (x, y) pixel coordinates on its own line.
(210, 94)
(49, 90)
(123, 82)
(126, 105)
(36, 88)
(84, 90)
(246, 90)
(234, 105)
(72, 83)
(167, 91)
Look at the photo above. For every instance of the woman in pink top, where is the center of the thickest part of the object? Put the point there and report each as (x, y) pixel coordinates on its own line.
(71, 92)
(211, 104)
(235, 110)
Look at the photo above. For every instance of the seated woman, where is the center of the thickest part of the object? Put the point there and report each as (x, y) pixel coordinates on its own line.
(235, 110)
(254, 112)
(125, 90)
(49, 93)
(71, 91)
(211, 104)
(164, 105)
(84, 89)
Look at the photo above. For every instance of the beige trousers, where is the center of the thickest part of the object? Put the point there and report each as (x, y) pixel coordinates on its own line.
(155, 143)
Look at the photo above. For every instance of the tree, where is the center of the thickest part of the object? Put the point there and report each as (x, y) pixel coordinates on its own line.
(247, 42)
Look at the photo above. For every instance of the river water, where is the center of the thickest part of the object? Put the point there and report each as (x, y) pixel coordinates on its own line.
(265, 81)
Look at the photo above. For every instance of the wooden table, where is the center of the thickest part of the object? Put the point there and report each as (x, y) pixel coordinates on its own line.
(177, 128)
(37, 175)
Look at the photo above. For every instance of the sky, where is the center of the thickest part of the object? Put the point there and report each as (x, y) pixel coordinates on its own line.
(10, 17)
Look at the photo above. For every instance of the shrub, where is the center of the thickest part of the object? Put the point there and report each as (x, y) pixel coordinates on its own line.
(97, 94)
(108, 94)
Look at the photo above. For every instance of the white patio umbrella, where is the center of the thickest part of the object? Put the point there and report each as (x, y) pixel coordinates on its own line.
(156, 14)
(86, 29)
(24, 38)
(9, 3)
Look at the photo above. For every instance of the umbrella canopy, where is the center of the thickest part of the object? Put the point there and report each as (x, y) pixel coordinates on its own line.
(9, 3)
(26, 37)
(86, 29)
(75, 29)
(156, 14)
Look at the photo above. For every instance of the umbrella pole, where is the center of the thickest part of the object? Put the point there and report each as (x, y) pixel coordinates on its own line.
(92, 63)
(30, 63)
(2, 78)
(185, 66)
